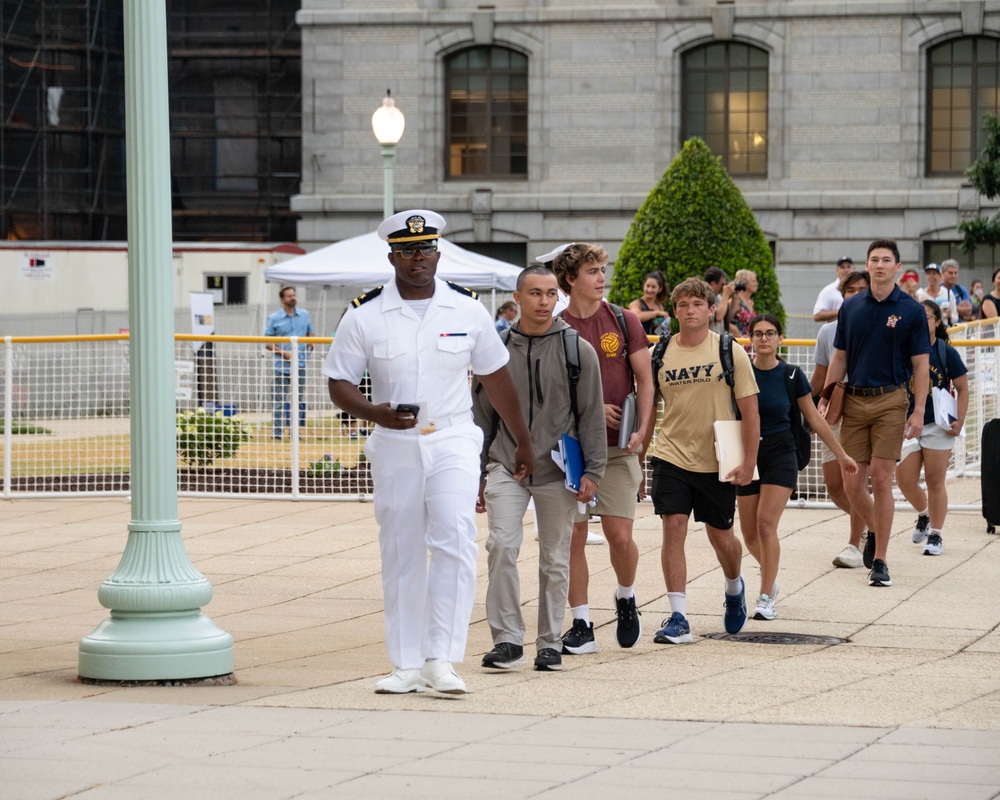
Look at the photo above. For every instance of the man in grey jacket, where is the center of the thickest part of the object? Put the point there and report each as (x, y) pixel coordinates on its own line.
(540, 367)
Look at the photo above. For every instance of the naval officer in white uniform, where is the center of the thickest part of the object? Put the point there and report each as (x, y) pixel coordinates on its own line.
(418, 336)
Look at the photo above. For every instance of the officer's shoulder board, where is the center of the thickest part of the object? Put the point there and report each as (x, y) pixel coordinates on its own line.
(361, 299)
(462, 290)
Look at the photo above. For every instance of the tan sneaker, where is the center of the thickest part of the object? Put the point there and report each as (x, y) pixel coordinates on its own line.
(849, 558)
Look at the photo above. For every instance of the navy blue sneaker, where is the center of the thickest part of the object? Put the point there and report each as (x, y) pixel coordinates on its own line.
(736, 609)
(675, 630)
(869, 554)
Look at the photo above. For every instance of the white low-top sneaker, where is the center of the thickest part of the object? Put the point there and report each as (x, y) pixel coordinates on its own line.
(850, 558)
(439, 675)
(400, 681)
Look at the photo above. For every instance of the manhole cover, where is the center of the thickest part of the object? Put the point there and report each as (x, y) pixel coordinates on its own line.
(776, 638)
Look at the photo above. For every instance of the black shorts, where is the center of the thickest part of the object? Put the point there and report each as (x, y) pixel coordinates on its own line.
(678, 491)
(777, 463)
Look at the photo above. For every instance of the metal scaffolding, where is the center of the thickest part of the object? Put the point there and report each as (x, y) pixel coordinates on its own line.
(235, 100)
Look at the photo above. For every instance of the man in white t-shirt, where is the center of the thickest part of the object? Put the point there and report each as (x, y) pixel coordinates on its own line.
(940, 294)
(829, 299)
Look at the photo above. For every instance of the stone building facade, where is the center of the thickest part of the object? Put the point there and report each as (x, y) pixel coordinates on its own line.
(863, 130)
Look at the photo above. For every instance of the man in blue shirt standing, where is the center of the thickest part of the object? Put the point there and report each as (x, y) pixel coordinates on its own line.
(881, 340)
(289, 321)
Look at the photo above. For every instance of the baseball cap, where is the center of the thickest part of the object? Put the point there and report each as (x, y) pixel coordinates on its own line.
(933, 268)
(845, 259)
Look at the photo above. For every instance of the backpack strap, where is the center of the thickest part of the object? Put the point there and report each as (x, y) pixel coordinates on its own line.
(656, 361)
(571, 349)
(620, 316)
(728, 367)
(942, 354)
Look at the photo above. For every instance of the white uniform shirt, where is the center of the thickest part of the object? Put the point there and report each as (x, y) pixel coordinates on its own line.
(829, 298)
(423, 361)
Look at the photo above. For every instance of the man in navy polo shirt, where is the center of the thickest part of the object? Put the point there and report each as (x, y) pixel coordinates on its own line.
(881, 340)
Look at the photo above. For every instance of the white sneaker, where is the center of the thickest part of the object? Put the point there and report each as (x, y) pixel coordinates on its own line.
(921, 529)
(765, 608)
(850, 558)
(593, 537)
(438, 674)
(400, 681)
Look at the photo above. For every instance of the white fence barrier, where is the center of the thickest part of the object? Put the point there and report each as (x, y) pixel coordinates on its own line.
(66, 418)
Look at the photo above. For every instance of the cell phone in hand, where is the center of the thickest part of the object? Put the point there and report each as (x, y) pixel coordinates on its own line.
(410, 407)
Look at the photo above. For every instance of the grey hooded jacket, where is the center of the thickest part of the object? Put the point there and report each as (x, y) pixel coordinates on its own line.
(538, 366)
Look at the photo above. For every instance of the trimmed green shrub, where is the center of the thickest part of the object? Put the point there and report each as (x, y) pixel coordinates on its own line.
(984, 174)
(695, 218)
(202, 438)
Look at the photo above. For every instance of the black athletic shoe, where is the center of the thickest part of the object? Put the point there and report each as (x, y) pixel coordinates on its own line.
(879, 576)
(869, 554)
(629, 624)
(548, 660)
(579, 639)
(504, 656)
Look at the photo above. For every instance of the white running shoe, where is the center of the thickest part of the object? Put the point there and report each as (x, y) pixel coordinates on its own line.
(400, 681)
(593, 537)
(765, 608)
(849, 558)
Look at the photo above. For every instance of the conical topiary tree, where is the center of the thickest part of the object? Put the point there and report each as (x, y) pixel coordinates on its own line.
(695, 218)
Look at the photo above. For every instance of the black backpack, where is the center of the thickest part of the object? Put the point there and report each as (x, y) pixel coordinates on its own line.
(725, 358)
(803, 440)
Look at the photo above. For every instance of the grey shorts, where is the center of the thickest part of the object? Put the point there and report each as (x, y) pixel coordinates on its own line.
(934, 437)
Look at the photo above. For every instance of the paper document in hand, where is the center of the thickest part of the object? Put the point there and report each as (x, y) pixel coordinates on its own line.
(945, 407)
(729, 447)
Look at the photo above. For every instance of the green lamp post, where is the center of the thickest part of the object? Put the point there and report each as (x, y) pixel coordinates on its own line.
(156, 630)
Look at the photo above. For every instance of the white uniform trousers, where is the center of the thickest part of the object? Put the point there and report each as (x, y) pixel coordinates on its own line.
(555, 507)
(425, 501)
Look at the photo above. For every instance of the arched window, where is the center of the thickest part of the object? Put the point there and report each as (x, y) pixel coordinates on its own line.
(724, 102)
(487, 113)
(963, 83)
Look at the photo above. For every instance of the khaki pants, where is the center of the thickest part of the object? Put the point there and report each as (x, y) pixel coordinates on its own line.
(506, 502)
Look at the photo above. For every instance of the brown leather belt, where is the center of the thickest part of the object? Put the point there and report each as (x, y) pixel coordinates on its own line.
(873, 391)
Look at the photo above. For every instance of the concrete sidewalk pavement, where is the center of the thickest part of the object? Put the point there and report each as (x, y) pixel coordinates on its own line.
(908, 706)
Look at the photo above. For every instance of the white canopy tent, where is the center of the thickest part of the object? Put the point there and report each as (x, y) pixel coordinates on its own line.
(361, 261)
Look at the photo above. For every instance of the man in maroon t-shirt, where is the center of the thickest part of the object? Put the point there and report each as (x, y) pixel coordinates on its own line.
(580, 271)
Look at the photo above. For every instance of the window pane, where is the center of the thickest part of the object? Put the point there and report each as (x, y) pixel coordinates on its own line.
(488, 91)
(958, 96)
(725, 102)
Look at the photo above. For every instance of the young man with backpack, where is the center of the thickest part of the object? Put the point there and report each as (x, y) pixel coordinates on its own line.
(558, 383)
(623, 352)
(702, 378)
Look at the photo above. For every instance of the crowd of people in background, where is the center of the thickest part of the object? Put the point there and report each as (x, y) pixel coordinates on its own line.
(568, 366)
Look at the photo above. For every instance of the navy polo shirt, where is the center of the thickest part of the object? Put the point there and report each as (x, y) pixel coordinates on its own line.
(881, 338)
